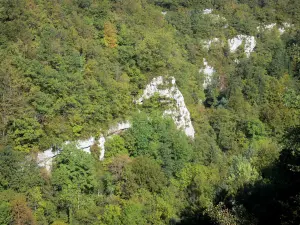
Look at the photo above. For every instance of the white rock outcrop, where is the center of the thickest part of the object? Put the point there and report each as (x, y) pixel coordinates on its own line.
(281, 30)
(119, 127)
(237, 41)
(207, 11)
(101, 144)
(215, 18)
(208, 72)
(84, 144)
(207, 44)
(179, 113)
(44, 159)
(285, 26)
(269, 27)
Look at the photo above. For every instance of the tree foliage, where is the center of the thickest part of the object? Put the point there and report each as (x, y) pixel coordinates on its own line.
(70, 68)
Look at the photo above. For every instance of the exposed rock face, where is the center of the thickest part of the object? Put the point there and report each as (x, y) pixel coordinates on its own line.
(168, 89)
(234, 43)
(84, 144)
(208, 43)
(102, 147)
(281, 30)
(179, 114)
(285, 26)
(118, 128)
(207, 11)
(268, 27)
(215, 17)
(44, 159)
(112, 131)
(208, 72)
(237, 41)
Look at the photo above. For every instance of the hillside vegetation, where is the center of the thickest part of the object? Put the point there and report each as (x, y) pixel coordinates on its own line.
(71, 68)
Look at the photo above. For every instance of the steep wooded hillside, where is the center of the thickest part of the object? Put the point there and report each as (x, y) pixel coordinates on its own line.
(195, 104)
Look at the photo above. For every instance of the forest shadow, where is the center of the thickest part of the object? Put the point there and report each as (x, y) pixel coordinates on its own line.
(272, 200)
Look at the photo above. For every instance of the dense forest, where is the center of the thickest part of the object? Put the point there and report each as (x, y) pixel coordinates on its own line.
(71, 68)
